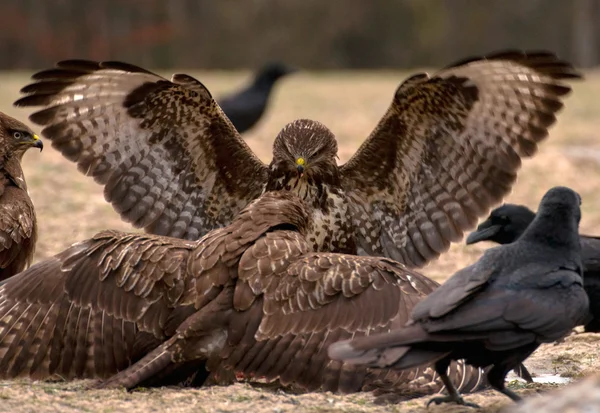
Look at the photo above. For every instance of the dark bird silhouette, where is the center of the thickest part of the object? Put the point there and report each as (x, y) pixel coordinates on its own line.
(250, 298)
(495, 312)
(245, 107)
(446, 151)
(506, 224)
(18, 225)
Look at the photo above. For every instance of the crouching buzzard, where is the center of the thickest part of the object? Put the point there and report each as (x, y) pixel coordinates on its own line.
(250, 298)
(446, 151)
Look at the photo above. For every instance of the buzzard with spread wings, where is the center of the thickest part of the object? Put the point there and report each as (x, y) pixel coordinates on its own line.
(446, 151)
(18, 226)
(250, 298)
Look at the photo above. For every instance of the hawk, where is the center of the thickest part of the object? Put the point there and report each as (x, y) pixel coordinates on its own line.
(446, 151)
(18, 227)
(250, 298)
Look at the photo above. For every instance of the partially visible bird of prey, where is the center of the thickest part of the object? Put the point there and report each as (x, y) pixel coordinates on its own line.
(495, 312)
(18, 226)
(446, 151)
(245, 107)
(250, 298)
(509, 221)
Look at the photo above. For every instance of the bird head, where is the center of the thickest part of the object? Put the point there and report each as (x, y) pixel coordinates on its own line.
(561, 202)
(305, 150)
(557, 220)
(504, 225)
(17, 137)
(271, 72)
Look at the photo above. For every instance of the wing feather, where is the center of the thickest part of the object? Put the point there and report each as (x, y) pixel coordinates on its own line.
(448, 150)
(323, 291)
(169, 159)
(301, 302)
(95, 308)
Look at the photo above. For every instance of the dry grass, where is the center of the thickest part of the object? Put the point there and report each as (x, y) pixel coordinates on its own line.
(71, 207)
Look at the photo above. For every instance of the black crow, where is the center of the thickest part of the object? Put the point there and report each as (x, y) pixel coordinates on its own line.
(506, 223)
(495, 312)
(244, 108)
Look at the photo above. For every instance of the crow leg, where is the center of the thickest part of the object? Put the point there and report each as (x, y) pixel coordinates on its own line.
(523, 373)
(441, 367)
(496, 378)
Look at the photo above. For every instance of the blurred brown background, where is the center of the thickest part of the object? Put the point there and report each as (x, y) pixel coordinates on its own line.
(313, 34)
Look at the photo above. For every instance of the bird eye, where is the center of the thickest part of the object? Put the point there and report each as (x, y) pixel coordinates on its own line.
(17, 135)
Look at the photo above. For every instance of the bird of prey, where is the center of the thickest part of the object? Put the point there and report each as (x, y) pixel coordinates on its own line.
(506, 224)
(251, 298)
(18, 226)
(447, 150)
(495, 312)
(245, 107)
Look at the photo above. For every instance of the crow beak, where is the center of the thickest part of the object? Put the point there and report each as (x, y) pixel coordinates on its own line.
(483, 233)
(300, 171)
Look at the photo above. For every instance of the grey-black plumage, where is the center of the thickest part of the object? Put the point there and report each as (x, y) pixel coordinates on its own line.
(507, 223)
(497, 311)
(245, 107)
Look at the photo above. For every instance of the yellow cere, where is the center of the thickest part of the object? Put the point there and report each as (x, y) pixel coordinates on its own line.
(35, 137)
(300, 161)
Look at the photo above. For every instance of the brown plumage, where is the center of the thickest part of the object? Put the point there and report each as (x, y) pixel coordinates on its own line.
(18, 227)
(447, 150)
(250, 298)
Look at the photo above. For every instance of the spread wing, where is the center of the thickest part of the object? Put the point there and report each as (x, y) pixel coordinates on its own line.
(448, 149)
(95, 308)
(18, 231)
(169, 159)
(105, 303)
(291, 313)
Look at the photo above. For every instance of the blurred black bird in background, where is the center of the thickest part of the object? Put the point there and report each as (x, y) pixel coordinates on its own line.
(245, 107)
(495, 312)
(506, 224)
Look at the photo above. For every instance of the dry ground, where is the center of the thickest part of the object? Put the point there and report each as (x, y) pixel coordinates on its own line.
(71, 207)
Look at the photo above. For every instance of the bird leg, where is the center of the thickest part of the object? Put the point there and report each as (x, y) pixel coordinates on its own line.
(496, 378)
(453, 395)
(523, 373)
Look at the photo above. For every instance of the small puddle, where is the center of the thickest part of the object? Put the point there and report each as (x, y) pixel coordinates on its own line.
(551, 378)
(541, 378)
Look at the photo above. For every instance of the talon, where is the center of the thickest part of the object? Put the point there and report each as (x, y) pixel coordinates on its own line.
(434, 400)
(450, 399)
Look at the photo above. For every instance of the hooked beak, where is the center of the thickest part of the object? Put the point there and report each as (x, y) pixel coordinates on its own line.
(484, 232)
(300, 171)
(37, 143)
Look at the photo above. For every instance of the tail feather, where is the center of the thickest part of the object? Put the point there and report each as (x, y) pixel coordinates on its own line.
(410, 357)
(384, 350)
(150, 365)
